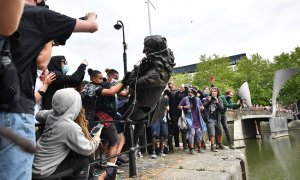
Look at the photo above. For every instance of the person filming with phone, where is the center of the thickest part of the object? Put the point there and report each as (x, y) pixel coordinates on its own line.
(65, 142)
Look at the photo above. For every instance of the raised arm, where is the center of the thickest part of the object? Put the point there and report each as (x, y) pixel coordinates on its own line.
(113, 90)
(11, 11)
(88, 25)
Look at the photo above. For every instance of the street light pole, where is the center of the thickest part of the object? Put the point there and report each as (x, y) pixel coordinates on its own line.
(149, 17)
(118, 26)
(132, 163)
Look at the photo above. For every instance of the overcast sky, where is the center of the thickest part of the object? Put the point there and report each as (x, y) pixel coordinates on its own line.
(192, 28)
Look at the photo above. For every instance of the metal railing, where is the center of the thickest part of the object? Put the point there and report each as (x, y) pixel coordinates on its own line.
(132, 147)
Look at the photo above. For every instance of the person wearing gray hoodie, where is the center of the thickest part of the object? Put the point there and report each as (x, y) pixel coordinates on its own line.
(62, 143)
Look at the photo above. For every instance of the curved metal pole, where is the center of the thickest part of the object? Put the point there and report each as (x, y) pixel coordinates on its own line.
(124, 47)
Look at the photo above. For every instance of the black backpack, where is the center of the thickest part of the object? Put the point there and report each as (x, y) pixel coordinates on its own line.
(9, 77)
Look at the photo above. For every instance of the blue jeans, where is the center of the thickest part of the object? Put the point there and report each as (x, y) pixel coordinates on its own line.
(16, 164)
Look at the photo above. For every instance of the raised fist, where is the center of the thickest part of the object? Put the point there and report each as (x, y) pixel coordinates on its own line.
(85, 62)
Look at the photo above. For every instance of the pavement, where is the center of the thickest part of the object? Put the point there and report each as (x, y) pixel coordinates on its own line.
(222, 165)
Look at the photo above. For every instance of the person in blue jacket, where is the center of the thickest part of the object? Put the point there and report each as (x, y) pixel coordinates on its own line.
(192, 105)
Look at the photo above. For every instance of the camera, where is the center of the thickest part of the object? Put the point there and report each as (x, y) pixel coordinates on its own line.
(59, 42)
(83, 18)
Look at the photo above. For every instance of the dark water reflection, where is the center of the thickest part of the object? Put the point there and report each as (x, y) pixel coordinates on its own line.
(274, 158)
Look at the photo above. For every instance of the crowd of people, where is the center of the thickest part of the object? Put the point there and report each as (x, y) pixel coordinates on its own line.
(57, 111)
(205, 113)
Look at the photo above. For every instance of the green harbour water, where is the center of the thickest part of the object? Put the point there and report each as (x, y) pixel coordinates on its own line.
(274, 158)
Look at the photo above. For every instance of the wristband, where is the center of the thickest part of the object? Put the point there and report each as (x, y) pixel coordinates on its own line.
(42, 93)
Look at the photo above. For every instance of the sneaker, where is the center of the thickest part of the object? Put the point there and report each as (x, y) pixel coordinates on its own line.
(231, 146)
(176, 148)
(120, 171)
(192, 152)
(201, 150)
(221, 146)
(139, 154)
(119, 163)
(123, 158)
(186, 149)
(214, 149)
(162, 154)
(153, 156)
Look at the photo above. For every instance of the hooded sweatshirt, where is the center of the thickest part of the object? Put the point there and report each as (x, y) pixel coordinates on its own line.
(61, 133)
(61, 80)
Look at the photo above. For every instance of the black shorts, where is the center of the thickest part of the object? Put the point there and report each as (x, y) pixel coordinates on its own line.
(110, 135)
(119, 126)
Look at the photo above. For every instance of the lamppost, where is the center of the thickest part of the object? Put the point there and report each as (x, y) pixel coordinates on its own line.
(118, 26)
(132, 163)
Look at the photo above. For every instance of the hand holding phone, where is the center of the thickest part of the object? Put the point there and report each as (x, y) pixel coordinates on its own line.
(111, 172)
(97, 130)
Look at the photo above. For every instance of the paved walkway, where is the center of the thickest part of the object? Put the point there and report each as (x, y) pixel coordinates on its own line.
(222, 165)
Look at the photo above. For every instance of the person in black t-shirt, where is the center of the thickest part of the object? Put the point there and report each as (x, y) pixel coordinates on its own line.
(98, 99)
(175, 96)
(38, 26)
(59, 65)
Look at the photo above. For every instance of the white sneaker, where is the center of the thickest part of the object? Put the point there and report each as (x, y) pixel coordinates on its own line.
(162, 154)
(176, 148)
(140, 154)
(153, 156)
(120, 171)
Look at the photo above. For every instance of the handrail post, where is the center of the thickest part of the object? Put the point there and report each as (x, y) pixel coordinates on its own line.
(132, 158)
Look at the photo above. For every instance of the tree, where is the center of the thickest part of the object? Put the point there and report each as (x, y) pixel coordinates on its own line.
(259, 74)
(215, 66)
(182, 79)
(291, 91)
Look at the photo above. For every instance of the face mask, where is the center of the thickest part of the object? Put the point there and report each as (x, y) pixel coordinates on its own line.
(228, 97)
(113, 82)
(65, 69)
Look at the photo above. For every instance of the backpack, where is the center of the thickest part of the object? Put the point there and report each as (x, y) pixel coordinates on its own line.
(9, 77)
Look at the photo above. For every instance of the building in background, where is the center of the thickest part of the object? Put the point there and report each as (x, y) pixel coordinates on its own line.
(193, 67)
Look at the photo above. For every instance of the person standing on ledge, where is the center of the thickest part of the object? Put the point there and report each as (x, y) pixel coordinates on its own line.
(228, 104)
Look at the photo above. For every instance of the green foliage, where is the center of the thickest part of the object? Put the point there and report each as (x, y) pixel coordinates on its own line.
(258, 72)
(291, 91)
(180, 79)
(215, 66)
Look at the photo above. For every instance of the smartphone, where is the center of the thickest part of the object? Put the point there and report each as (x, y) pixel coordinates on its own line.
(96, 129)
(111, 172)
